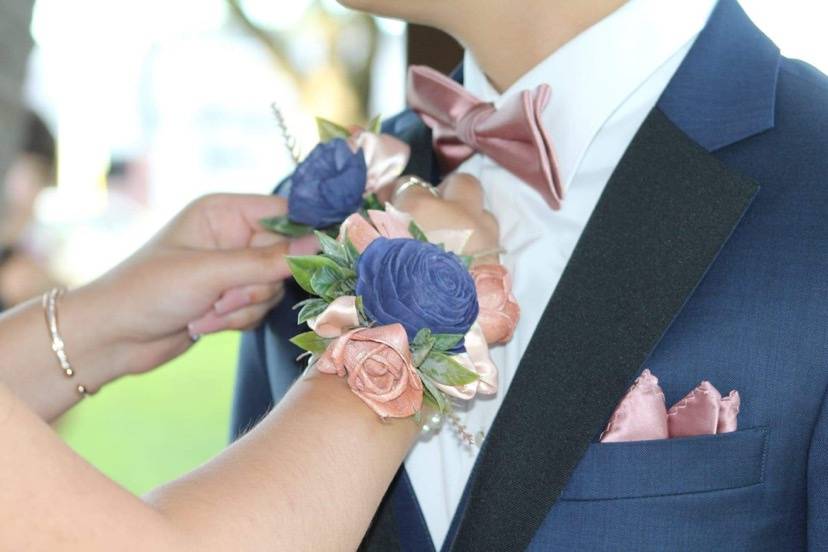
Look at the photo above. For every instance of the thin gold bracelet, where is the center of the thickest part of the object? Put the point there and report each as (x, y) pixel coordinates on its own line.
(50, 299)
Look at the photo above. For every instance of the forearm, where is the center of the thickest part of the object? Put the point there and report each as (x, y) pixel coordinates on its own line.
(310, 476)
(29, 367)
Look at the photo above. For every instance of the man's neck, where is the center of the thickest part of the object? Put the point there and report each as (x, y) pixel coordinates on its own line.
(510, 40)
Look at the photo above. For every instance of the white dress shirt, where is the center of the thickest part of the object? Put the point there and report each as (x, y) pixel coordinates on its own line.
(604, 83)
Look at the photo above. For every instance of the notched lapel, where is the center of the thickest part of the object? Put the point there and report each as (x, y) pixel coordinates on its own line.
(662, 219)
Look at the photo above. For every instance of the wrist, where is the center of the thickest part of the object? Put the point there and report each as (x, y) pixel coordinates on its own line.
(92, 345)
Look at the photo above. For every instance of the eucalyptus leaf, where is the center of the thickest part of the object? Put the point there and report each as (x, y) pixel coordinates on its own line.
(310, 342)
(328, 130)
(375, 125)
(311, 309)
(442, 368)
(282, 225)
(446, 342)
(304, 267)
(417, 232)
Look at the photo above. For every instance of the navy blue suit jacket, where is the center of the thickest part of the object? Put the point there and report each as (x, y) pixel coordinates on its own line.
(706, 258)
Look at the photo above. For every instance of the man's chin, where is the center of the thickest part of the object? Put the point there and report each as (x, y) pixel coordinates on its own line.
(413, 11)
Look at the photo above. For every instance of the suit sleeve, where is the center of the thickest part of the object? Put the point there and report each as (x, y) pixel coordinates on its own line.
(252, 397)
(818, 483)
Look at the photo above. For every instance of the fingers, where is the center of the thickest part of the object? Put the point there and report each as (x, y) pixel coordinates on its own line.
(463, 189)
(251, 207)
(258, 265)
(239, 297)
(244, 318)
(409, 197)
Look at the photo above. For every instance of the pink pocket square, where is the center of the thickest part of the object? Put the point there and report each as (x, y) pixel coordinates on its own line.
(642, 414)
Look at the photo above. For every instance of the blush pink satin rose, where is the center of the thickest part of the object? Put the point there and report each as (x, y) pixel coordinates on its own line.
(388, 224)
(499, 310)
(378, 364)
(358, 230)
(385, 156)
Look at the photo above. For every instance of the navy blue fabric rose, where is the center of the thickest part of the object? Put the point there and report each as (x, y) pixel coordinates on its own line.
(416, 284)
(328, 185)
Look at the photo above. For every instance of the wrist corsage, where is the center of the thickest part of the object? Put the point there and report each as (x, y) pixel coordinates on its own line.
(404, 319)
(340, 176)
(395, 310)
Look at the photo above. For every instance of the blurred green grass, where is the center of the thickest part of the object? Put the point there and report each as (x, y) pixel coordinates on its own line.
(145, 430)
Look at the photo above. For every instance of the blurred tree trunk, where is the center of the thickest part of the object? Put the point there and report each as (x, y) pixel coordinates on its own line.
(15, 44)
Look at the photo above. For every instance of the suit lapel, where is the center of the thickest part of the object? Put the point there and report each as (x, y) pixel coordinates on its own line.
(665, 214)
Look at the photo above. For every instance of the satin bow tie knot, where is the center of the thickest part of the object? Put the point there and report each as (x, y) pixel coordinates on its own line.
(466, 127)
(512, 135)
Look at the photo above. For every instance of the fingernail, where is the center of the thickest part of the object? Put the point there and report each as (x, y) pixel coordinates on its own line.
(306, 245)
(206, 325)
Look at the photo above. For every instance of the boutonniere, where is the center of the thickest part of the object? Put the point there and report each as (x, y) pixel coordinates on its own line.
(340, 176)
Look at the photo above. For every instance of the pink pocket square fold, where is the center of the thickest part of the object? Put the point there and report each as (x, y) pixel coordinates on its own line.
(642, 414)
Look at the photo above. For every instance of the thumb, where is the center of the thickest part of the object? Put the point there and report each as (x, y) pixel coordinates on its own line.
(259, 265)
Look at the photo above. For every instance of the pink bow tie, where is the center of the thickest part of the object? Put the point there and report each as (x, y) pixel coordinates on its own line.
(512, 135)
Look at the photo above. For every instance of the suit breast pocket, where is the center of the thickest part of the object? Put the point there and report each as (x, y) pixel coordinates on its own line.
(669, 467)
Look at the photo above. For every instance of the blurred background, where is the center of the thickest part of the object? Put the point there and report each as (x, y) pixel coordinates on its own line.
(130, 109)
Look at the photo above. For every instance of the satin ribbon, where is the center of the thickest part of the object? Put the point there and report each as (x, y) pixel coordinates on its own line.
(338, 318)
(385, 157)
(476, 359)
(512, 135)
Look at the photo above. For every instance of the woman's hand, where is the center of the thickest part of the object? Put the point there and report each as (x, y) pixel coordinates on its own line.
(459, 206)
(212, 268)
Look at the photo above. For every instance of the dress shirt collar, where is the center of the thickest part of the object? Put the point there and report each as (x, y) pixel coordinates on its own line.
(595, 72)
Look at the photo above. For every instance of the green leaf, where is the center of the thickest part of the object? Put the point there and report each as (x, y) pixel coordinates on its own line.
(423, 337)
(351, 253)
(283, 225)
(372, 202)
(303, 268)
(433, 395)
(442, 368)
(311, 309)
(311, 342)
(375, 125)
(330, 282)
(467, 260)
(364, 319)
(328, 130)
(417, 232)
(421, 346)
(446, 342)
(334, 249)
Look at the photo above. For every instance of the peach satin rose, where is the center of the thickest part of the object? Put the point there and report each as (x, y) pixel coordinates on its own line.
(378, 364)
(499, 311)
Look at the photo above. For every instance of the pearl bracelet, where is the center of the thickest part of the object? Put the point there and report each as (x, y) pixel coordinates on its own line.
(50, 310)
